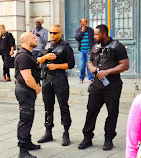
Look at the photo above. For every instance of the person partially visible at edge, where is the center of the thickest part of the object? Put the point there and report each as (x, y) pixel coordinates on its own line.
(55, 82)
(109, 57)
(133, 134)
(42, 36)
(85, 37)
(7, 43)
(27, 76)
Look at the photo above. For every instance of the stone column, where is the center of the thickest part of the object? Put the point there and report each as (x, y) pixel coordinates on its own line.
(27, 15)
(12, 16)
(58, 13)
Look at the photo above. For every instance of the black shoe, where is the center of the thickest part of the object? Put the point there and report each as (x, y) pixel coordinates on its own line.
(32, 146)
(108, 144)
(46, 138)
(26, 154)
(66, 139)
(85, 143)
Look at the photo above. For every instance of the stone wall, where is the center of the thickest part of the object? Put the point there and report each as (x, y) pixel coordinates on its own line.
(12, 16)
(13, 12)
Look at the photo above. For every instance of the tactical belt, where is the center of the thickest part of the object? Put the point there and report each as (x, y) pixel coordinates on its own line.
(24, 86)
(55, 72)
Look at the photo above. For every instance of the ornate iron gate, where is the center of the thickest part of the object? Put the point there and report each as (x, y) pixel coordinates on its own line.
(123, 26)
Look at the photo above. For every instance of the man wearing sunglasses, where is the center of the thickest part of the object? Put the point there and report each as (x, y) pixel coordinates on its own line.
(55, 82)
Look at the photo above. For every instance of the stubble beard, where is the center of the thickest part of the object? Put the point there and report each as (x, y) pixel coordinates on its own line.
(100, 41)
(33, 45)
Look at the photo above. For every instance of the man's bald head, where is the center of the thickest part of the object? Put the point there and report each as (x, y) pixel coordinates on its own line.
(83, 21)
(28, 40)
(25, 36)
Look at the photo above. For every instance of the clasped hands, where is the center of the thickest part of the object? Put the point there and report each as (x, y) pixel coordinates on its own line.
(49, 56)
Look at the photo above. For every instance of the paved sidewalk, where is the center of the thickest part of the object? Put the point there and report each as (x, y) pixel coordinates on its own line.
(8, 126)
(9, 114)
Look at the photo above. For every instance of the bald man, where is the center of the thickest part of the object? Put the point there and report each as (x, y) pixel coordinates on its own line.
(85, 37)
(55, 82)
(27, 76)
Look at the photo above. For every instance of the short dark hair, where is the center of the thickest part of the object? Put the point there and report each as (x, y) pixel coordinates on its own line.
(103, 28)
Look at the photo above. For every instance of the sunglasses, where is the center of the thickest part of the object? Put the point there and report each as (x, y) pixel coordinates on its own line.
(54, 33)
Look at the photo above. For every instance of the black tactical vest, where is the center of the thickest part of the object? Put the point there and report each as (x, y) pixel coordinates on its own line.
(104, 57)
(57, 49)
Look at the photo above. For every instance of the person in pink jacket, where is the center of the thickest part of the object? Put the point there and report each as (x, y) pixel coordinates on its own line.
(133, 135)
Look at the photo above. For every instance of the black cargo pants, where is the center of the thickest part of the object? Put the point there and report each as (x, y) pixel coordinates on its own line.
(97, 97)
(56, 84)
(26, 99)
(6, 71)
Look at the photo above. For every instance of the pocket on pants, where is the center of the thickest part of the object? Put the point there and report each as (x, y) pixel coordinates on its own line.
(26, 113)
(89, 88)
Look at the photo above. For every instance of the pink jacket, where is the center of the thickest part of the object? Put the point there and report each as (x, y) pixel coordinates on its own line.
(133, 135)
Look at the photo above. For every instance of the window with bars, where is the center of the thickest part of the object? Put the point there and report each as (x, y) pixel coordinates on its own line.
(97, 12)
(123, 19)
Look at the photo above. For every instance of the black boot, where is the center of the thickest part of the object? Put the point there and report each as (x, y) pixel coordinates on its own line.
(108, 144)
(31, 146)
(25, 154)
(47, 137)
(66, 139)
(85, 143)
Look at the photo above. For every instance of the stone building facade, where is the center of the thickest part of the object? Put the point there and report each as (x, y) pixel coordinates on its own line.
(19, 16)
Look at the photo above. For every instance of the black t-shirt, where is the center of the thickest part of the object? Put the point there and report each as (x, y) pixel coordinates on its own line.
(120, 53)
(24, 60)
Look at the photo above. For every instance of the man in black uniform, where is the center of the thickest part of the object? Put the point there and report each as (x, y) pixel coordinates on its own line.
(108, 58)
(27, 76)
(55, 82)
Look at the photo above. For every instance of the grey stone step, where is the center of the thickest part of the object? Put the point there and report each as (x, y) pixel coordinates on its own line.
(78, 92)
(73, 99)
(79, 89)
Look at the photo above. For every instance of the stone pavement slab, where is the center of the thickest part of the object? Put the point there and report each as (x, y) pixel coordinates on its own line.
(8, 137)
